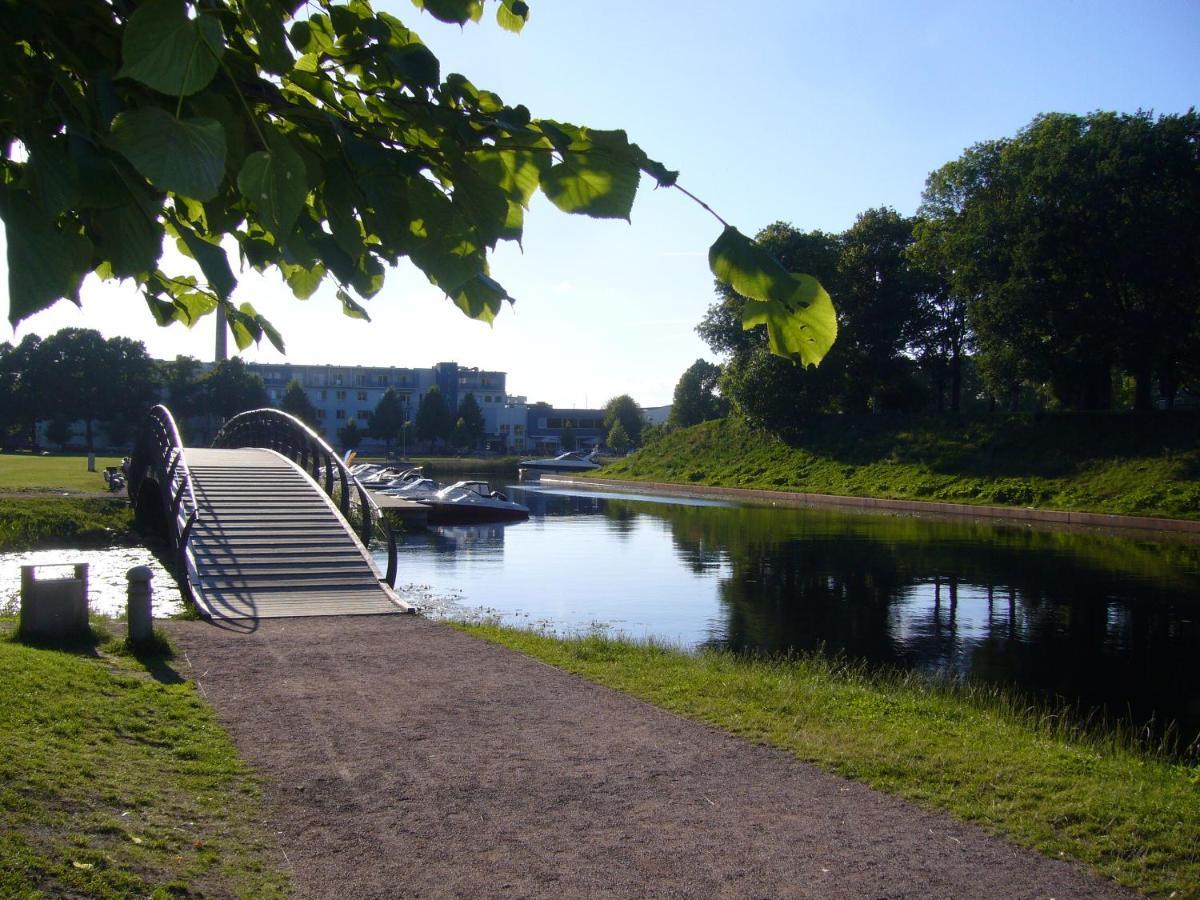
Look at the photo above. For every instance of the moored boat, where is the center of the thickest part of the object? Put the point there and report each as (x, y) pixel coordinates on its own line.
(571, 461)
(465, 502)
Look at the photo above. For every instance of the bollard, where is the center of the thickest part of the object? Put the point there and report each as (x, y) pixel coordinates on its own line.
(91, 461)
(139, 615)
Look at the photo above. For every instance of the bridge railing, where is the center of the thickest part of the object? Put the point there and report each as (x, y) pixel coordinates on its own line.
(158, 455)
(284, 433)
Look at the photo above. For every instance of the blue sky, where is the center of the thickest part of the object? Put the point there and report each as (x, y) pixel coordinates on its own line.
(808, 112)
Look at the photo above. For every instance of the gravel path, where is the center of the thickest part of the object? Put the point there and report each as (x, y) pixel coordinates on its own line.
(403, 758)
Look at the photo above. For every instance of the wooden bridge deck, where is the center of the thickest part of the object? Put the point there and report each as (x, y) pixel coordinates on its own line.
(268, 543)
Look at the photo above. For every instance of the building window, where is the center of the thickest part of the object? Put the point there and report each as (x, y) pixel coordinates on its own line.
(337, 380)
(340, 414)
(340, 395)
(360, 379)
(324, 395)
(321, 412)
(382, 379)
(555, 422)
(518, 429)
(363, 415)
(362, 395)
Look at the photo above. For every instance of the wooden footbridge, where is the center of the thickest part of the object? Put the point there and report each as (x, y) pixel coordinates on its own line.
(266, 523)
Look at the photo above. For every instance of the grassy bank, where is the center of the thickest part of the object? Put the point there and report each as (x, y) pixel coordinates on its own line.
(39, 506)
(1126, 464)
(28, 522)
(976, 753)
(117, 781)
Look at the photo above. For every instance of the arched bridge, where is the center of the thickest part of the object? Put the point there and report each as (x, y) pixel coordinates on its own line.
(267, 522)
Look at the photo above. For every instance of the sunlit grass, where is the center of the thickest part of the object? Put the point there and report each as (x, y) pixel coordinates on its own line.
(66, 473)
(117, 781)
(1110, 464)
(1037, 775)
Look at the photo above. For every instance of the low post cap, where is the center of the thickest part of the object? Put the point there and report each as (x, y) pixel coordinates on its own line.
(140, 573)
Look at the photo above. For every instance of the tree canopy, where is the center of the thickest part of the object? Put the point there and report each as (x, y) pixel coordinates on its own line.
(696, 397)
(296, 401)
(471, 417)
(624, 409)
(434, 420)
(322, 140)
(1076, 245)
(388, 418)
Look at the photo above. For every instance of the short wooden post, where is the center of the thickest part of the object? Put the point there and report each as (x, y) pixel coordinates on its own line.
(139, 615)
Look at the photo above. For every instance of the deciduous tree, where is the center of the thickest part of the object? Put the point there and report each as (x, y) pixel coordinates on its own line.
(472, 418)
(434, 421)
(625, 410)
(388, 418)
(696, 398)
(296, 401)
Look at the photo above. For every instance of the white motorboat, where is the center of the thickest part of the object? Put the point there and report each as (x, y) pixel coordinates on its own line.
(413, 489)
(465, 502)
(571, 461)
(388, 477)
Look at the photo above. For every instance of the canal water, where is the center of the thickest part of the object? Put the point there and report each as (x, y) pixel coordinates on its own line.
(1096, 620)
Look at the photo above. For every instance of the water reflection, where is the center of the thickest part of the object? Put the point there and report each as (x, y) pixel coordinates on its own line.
(107, 583)
(1096, 619)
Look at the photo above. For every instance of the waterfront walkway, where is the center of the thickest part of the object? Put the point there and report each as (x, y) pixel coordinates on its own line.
(403, 758)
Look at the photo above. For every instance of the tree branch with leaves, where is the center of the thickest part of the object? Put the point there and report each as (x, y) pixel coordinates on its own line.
(320, 140)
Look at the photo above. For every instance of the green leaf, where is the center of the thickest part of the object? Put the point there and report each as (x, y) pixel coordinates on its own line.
(593, 184)
(270, 37)
(457, 12)
(303, 280)
(211, 258)
(481, 298)
(191, 306)
(130, 241)
(512, 15)
(350, 308)
(54, 174)
(800, 318)
(184, 156)
(165, 50)
(44, 264)
(274, 183)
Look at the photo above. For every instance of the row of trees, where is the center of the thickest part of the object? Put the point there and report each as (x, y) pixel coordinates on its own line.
(1059, 268)
(76, 375)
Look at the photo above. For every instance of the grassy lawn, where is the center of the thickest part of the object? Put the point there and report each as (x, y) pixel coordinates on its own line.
(1132, 816)
(117, 781)
(1127, 464)
(58, 474)
(45, 521)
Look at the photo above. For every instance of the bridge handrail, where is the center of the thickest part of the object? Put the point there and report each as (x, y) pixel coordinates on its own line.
(159, 450)
(277, 430)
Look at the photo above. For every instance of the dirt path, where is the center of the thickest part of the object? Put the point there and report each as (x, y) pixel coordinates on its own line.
(406, 759)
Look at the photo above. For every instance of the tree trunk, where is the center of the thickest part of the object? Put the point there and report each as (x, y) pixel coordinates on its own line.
(955, 381)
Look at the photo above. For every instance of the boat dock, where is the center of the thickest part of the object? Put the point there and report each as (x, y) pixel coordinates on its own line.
(409, 513)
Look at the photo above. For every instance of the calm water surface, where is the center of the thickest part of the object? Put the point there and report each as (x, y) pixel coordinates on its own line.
(1102, 621)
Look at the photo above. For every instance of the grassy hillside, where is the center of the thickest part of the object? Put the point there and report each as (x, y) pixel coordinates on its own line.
(1127, 464)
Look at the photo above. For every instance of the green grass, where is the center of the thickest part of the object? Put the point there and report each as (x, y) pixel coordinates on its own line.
(1119, 463)
(56, 474)
(28, 522)
(978, 753)
(117, 781)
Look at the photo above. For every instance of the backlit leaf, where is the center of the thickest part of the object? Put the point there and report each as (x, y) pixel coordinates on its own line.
(211, 258)
(800, 319)
(131, 242)
(270, 37)
(458, 12)
(351, 308)
(594, 184)
(512, 14)
(481, 298)
(274, 183)
(44, 264)
(184, 156)
(165, 50)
